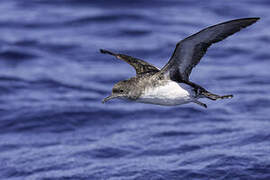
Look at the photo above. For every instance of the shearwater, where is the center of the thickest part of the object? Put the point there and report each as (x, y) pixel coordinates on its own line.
(170, 85)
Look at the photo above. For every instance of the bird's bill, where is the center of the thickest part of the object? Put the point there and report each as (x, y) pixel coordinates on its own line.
(111, 97)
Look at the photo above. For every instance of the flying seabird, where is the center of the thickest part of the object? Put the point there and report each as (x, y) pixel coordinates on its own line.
(170, 85)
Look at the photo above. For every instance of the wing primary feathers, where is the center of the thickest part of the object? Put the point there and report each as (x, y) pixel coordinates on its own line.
(139, 65)
(103, 51)
(189, 51)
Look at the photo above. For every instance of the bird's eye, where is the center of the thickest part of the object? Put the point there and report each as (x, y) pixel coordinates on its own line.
(121, 90)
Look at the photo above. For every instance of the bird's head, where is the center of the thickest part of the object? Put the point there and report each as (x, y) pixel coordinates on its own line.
(122, 89)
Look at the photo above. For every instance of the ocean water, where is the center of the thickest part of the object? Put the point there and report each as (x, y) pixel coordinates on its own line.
(53, 125)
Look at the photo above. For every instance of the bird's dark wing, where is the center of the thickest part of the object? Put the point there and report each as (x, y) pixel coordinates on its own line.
(139, 65)
(189, 51)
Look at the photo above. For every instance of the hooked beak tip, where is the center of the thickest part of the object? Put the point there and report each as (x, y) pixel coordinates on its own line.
(111, 97)
(103, 101)
(108, 98)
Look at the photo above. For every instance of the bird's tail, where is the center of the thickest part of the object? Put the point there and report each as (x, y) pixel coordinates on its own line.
(214, 96)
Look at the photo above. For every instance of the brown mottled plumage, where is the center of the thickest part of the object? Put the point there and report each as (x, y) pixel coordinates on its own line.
(171, 84)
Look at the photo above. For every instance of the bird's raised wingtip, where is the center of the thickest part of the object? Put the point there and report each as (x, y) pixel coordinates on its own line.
(255, 18)
(246, 21)
(252, 19)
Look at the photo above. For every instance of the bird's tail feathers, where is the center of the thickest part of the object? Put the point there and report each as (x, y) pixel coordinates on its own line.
(215, 96)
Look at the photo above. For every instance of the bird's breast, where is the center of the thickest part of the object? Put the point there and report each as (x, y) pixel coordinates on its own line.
(169, 93)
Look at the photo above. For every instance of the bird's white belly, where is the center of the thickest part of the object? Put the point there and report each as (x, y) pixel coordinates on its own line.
(169, 94)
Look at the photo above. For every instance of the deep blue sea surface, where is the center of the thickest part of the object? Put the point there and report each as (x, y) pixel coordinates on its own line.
(53, 125)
